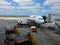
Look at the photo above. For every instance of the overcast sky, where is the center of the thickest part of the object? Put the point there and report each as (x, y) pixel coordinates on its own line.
(29, 7)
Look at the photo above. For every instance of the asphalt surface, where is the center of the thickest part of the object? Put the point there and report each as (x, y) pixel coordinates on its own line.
(40, 36)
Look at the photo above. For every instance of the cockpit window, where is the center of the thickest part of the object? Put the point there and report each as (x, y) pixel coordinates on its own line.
(34, 17)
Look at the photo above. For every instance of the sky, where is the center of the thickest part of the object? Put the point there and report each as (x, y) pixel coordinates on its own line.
(29, 7)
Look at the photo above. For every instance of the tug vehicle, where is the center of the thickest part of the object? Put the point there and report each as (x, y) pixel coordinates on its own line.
(33, 28)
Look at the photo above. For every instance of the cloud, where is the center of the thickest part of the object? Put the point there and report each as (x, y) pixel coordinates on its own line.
(25, 7)
(55, 8)
(51, 2)
(28, 5)
(24, 2)
(5, 5)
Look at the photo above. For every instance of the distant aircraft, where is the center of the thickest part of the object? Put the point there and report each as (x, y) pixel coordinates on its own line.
(22, 21)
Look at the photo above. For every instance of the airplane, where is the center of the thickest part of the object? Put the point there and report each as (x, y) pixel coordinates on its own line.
(37, 19)
(22, 21)
(34, 18)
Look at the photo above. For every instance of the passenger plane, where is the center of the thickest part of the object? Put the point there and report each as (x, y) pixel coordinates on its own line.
(37, 19)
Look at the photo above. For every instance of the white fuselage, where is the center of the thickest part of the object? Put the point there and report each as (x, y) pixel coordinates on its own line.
(37, 19)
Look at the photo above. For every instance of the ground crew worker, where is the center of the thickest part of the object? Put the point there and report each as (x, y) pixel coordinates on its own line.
(34, 42)
(16, 30)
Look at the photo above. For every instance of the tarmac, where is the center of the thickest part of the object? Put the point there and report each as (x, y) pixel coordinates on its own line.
(41, 37)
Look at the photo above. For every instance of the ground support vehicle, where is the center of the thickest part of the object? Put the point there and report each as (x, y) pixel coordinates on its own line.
(33, 28)
(16, 38)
